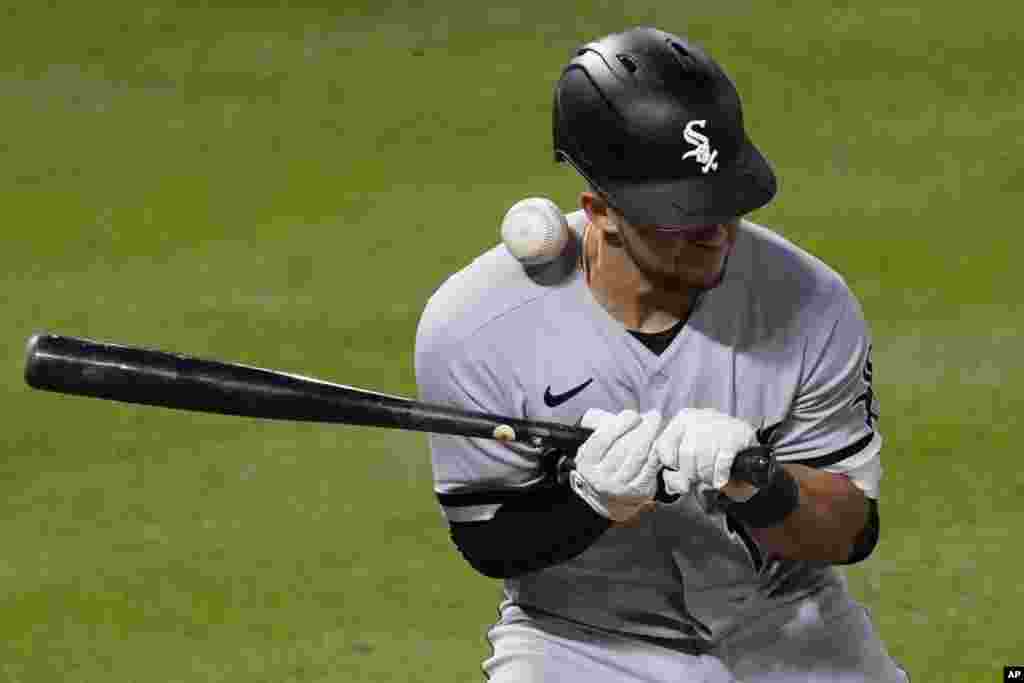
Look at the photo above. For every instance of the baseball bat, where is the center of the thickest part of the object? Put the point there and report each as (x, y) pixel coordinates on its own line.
(131, 374)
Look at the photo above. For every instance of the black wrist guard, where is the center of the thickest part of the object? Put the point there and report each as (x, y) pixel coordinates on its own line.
(770, 505)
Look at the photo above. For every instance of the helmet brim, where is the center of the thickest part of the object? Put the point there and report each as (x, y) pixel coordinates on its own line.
(746, 184)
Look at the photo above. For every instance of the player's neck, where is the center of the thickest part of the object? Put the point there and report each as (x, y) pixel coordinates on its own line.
(626, 293)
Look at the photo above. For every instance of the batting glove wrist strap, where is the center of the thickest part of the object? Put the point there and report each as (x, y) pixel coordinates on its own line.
(771, 505)
(585, 490)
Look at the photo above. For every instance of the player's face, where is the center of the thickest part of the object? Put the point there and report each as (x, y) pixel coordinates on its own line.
(692, 257)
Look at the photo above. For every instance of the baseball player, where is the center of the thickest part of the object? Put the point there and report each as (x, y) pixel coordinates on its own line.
(685, 335)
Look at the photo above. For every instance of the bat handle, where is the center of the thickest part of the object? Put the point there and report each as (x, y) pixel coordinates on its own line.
(755, 465)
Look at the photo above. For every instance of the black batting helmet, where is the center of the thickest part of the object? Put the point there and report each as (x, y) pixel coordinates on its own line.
(655, 125)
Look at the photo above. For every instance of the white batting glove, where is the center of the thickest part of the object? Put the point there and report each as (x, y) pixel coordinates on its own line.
(616, 472)
(697, 450)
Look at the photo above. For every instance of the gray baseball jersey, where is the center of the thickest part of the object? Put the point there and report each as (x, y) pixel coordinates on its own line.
(781, 343)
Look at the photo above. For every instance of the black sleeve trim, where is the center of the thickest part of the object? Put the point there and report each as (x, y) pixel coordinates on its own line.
(462, 500)
(867, 539)
(539, 528)
(838, 456)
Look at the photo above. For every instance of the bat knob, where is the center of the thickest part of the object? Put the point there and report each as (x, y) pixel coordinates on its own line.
(756, 466)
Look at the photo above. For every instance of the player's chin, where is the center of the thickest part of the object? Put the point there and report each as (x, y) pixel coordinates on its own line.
(703, 279)
(692, 278)
(702, 269)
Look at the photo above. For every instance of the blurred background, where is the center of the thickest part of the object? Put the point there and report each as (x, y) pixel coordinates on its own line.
(284, 185)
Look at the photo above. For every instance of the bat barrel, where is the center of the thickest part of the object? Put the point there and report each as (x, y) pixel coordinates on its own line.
(84, 367)
(78, 366)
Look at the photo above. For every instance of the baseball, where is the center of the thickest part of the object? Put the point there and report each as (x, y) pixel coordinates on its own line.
(535, 231)
(504, 433)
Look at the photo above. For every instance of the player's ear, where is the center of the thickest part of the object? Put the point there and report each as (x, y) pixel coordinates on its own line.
(599, 212)
(591, 203)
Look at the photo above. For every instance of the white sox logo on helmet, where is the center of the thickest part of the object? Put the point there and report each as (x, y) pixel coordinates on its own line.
(702, 154)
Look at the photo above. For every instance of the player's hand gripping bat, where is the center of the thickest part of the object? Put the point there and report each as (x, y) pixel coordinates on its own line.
(84, 367)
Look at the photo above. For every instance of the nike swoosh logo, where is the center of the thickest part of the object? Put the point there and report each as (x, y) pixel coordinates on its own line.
(552, 400)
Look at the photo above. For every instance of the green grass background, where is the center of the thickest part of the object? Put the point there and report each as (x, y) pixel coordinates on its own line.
(284, 184)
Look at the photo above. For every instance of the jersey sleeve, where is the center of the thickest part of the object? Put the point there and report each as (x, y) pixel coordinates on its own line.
(833, 421)
(472, 477)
